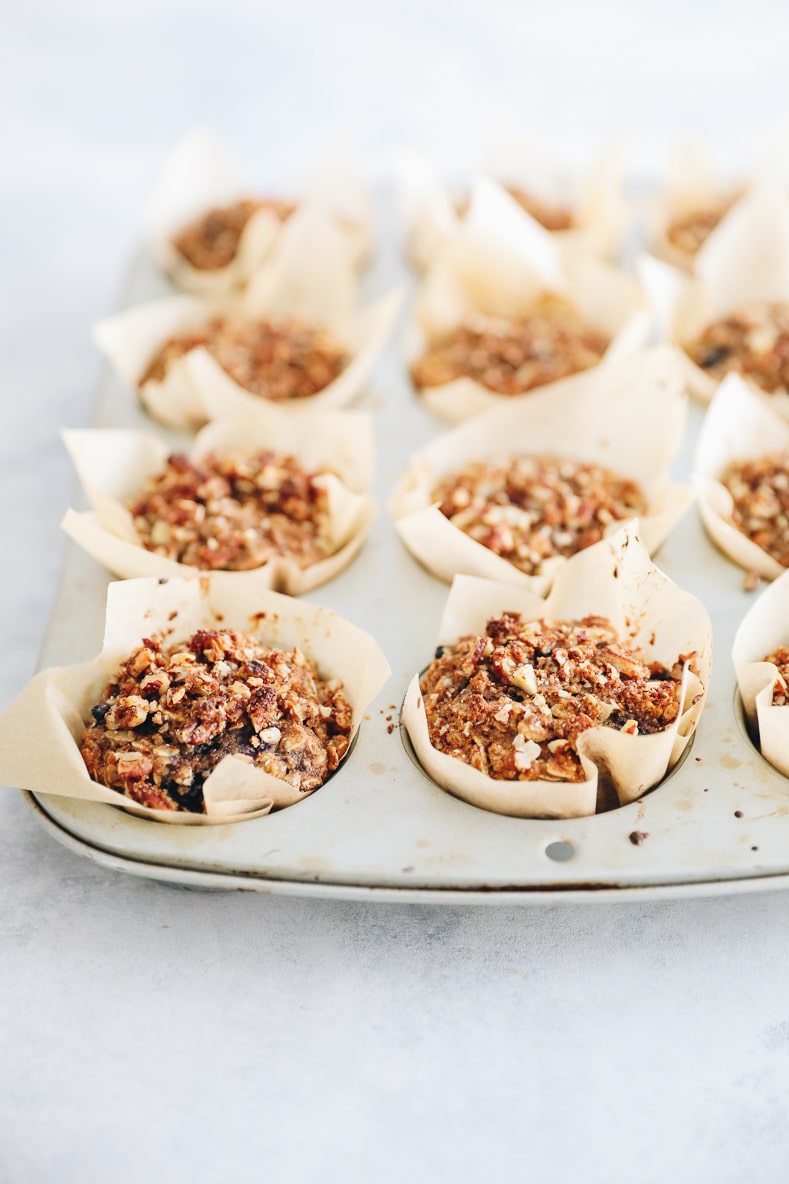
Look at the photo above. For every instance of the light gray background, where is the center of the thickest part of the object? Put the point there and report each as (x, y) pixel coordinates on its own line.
(148, 1033)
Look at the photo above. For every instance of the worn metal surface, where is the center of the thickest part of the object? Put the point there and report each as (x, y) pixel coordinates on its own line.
(720, 822)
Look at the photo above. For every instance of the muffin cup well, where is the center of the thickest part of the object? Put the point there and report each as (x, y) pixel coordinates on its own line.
(40, 731)
(628, 415)
(497, 264)
(113, 467)
(614, 579)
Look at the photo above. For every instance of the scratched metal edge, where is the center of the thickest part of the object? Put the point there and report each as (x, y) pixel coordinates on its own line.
(547, 894)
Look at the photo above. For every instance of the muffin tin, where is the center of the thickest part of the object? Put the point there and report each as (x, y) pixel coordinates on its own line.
(380, 828)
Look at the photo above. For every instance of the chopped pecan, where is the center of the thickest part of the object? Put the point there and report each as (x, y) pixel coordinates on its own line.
(275, 359)
(689, 231)
(514, 702)
(510, 357)
(211, 241)
(531, 508)
(752, 341)
(156, 738)
(760, 492)
(233, 512)
(780, 658)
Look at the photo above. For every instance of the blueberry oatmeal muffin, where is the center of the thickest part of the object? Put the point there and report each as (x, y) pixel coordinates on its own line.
(687, 232)
(211, 241)
(513, 702)
(277, 359)
(511, 357)
(530, 509)
(234, 513)
(752, 341)
(780, 659)
(172, 713)
(759, 488)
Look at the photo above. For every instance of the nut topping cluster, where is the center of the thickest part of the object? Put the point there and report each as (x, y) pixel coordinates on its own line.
(211, 241)
(275, 359)
(688, 232)
(233, 513)
(753, 342)
(528, 509)
(513, 702)
(512, 357)
(171, 714)
(760, 492)
(780, 658)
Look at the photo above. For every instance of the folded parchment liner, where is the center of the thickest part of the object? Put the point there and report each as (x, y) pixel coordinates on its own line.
(201, 174)
(309, 279)
(762, 631)
(498, 263)
(593, 196)
(746, 261)
(615, 579)
(628, 416)
(40, 731)
(113, 466)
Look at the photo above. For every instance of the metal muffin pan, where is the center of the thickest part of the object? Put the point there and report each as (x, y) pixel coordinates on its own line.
(380, 829)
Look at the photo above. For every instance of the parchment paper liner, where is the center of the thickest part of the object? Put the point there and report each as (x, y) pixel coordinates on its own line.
(692, 184)
(747, 260)
(740, 425)
(113, 465)
(615, 579)
(695, 183)
(629, 416)
(762, 630)
(196, 387)
(594, 196)
(39, 732)
(497, 263)
(202, 174)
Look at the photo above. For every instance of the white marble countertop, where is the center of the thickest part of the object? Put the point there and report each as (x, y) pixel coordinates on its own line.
(152, 1033)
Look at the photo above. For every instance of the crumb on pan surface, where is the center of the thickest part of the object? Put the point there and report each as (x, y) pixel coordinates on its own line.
(277, 359)
(760, 492)
(510, 357)
(689, 231)
(528, 509)
(512, 703)
(211, 241)
(232, 512)
(171, 714)
(752, 341)
(780, 658)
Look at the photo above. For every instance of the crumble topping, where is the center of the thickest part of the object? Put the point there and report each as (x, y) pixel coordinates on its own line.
(688, 232)
(233, 513)
(513, 702)
(780, 658)
(276, 359)
(171, 714)
(510, 357)
(752, 341)
(760, 492)
(211, 241)
(531, 508)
